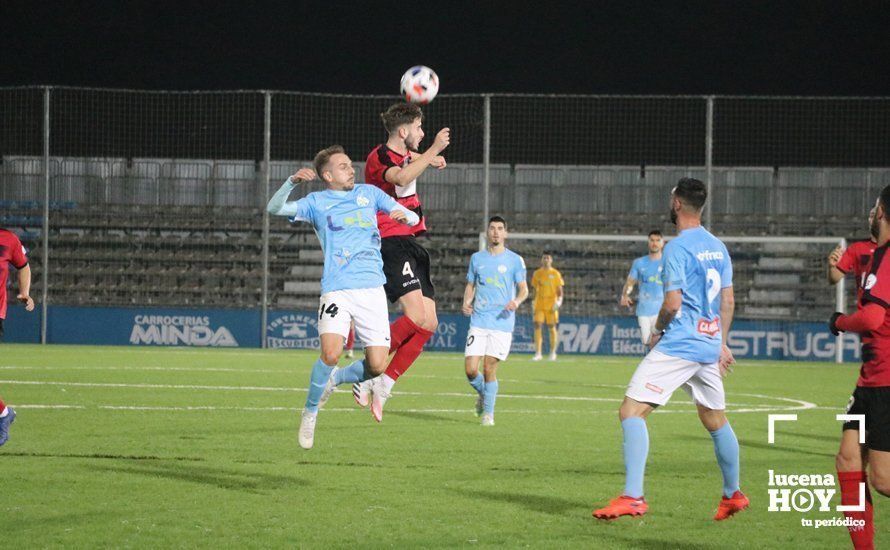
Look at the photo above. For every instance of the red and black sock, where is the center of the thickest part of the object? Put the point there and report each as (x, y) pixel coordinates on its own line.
(863, 535)
(408, 352)
(400, 330)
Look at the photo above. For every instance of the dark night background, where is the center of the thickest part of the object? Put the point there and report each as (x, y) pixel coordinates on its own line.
(723, 47)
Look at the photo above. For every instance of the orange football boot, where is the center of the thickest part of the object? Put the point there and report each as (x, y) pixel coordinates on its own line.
(732, 505)
(622, 506)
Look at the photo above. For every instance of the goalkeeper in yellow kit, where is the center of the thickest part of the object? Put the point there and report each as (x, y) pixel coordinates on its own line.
(547, 283)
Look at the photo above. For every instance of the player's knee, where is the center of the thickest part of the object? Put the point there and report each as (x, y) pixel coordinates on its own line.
(630, 409)
(417, 317)
(880, 481)
(472, 371)
(375, 365)
(330, 358)
(712, 420)
(431, 323)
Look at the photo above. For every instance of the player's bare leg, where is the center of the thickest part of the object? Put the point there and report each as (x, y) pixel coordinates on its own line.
(726, 448)
(879, 465)
(852, 463)
(632, 414)
(539, 341)
(320, 386)
(489, 372)
(471, 368)
(419, 324)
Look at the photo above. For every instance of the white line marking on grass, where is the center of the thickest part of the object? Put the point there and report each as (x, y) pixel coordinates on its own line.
(209, 408)
(184, 369)
(31, 406)
(797, 404)
(151, 386)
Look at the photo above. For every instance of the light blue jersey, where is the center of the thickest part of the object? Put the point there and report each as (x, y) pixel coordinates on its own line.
(495, 279)
(648, 272)
(697, 263)
(346, 225)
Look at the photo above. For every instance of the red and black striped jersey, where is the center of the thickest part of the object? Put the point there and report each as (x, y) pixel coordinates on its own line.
(380, 160)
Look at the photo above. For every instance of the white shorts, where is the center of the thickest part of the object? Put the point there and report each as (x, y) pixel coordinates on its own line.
(647, 325)
(367, 307)
(493, 343)
(659, 375)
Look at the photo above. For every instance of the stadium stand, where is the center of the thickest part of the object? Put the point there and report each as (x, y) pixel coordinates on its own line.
(189, 232)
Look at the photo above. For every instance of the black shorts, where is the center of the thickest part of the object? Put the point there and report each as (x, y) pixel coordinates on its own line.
(874, 403)
(1, 329)
(406, 265)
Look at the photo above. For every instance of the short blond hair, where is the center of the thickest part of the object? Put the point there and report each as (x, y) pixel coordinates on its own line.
(324, 156)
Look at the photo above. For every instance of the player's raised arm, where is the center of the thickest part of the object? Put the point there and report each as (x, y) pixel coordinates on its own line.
(403, 176)
(280, 206)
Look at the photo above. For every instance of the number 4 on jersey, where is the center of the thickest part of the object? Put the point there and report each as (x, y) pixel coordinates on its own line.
(407, 270)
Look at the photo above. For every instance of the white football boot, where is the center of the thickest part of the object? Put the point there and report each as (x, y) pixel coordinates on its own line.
(306, 435)
(361, 391)
(379, 395)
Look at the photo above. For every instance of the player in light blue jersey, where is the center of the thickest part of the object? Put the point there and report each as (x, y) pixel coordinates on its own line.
(688, 350)
(345, 219)
(646, 270)
(491, 300)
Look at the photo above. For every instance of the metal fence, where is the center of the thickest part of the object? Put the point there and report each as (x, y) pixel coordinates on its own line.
(131, 197)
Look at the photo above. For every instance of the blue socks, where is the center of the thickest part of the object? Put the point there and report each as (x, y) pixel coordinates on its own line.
(351, 374)
(636, 449)
(478, 383)
(489, 397)
(317, 382)
(726, 447)
(488, 391)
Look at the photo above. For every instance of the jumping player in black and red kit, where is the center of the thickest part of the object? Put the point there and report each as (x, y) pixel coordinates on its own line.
(394, 167)
(12, 253)
(872, 395)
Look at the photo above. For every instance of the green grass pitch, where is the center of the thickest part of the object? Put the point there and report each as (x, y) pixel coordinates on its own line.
(130, 447)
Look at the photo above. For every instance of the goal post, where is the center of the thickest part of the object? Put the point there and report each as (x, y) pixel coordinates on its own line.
(777, 280)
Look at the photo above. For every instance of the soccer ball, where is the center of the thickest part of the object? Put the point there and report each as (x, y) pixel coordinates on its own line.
(420, 85)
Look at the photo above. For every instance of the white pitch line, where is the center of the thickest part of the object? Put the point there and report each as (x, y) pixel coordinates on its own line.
(798, 404)
(31, 406)
(183, 369)
(152, 408)
(149, 386)
(281, 389)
